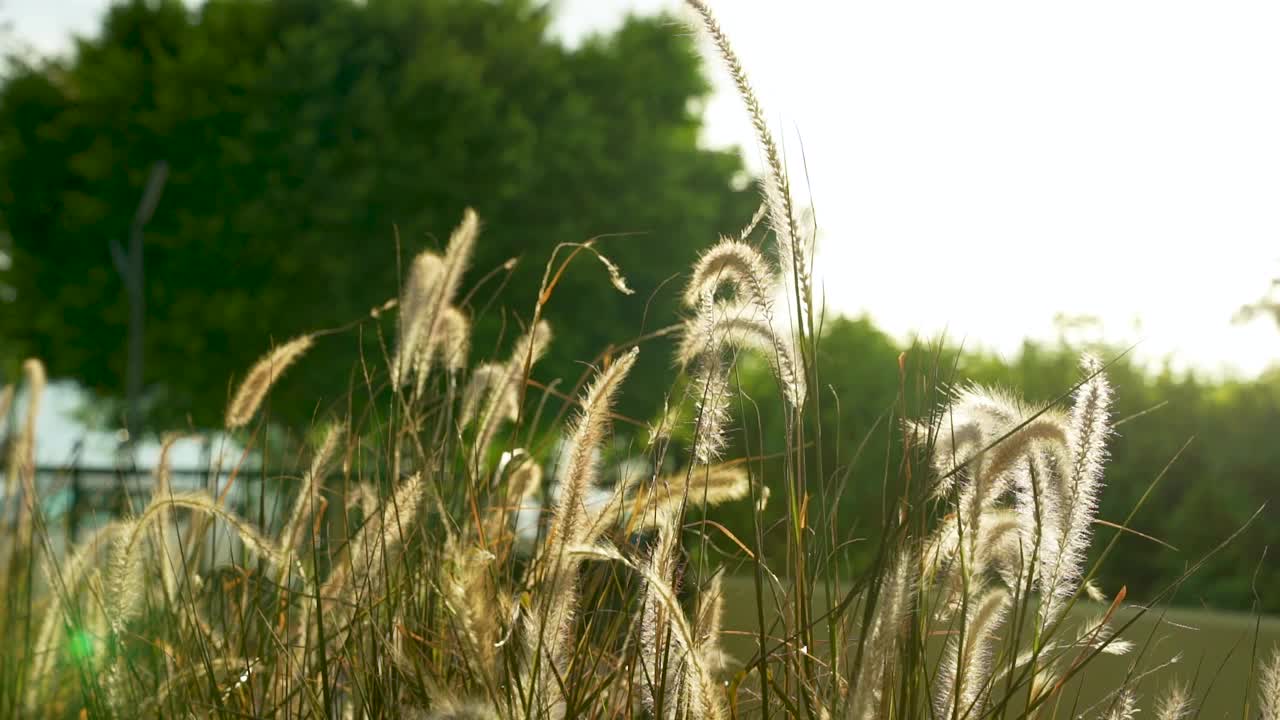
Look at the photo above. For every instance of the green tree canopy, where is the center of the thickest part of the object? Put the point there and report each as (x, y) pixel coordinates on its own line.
(299, 134)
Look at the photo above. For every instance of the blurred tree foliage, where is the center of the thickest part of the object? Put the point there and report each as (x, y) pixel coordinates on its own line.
(1228, 470)
(300, 134)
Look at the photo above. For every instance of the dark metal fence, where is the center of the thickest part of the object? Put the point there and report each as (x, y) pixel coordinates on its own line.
(76, 499)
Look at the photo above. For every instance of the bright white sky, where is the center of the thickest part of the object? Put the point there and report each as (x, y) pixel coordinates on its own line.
(1119, 159)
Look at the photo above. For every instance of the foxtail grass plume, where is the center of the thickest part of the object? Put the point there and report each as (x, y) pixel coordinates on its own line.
(735, 264)
(455, 333)
(1175, 705)
(616, 278)
(640, 506)
(124, 577)
(385, 534)
(33, 372)
(244, 404)
(418, 300)
(777, 188)
(450, 341)
(460, 710)
(580, 470)
(488, 386)
(1124, 707)
(362, 496)
(66, 579)
(1089, 429)
(492, 396)
(710, 623)
(427, 299)
(698, 486)
(1269, 688)
(475, 603)
(739, 327)
(992, 446)
(964, 684)
(549, 629)
(1094, 637)
(674, 675)
(883, 638)
(457, 256)
(712, 397)
(709, 342)
(380, 537)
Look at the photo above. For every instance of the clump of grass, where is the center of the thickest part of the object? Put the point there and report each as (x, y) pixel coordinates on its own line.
(422, 566)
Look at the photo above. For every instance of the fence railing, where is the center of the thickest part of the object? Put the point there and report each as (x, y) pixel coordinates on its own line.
(74, 500)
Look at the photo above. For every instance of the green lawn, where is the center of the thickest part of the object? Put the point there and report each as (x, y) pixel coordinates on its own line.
(1216, 650)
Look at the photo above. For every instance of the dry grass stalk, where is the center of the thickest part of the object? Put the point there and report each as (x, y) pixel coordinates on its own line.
(201, 502)
(710, 622)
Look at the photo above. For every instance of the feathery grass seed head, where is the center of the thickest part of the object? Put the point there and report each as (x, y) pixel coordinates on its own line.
(244, 404)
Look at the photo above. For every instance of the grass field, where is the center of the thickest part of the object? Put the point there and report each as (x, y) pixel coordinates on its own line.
(1216, 652)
